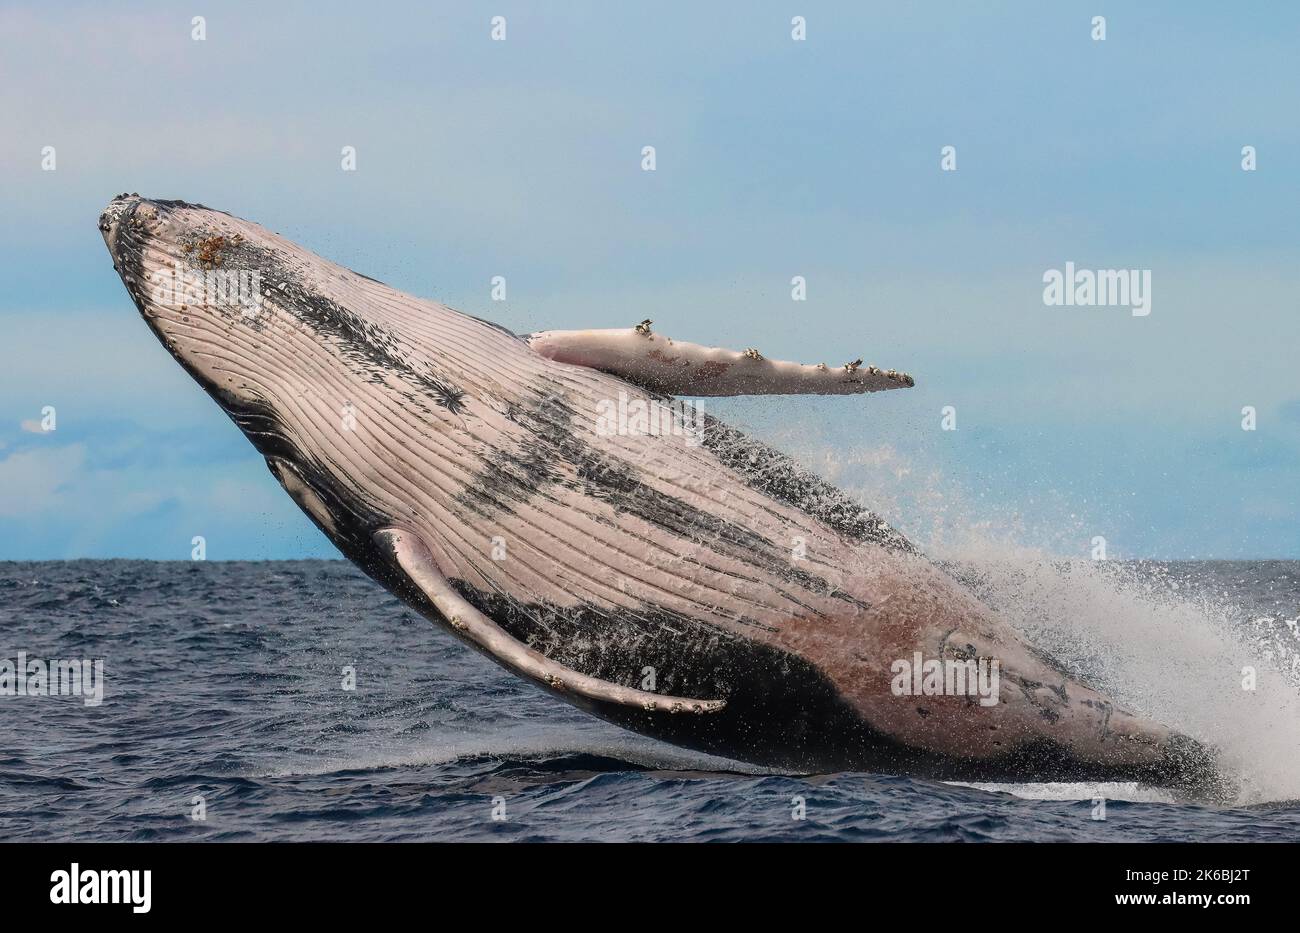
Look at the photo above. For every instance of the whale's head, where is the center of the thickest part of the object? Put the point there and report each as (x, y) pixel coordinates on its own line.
(192, 274)
(278, 338)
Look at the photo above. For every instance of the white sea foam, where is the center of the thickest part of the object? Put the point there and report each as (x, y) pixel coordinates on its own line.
(1180, 661)
(1057, 790)
(525, 742)
(1131, 628)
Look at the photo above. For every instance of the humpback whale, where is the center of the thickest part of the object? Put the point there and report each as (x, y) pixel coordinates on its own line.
(693, 585)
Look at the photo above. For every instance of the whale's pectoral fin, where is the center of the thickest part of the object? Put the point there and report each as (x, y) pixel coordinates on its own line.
(411, 555)
(654, 362)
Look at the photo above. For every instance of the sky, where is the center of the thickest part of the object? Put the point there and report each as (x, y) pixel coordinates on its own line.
(774, 158)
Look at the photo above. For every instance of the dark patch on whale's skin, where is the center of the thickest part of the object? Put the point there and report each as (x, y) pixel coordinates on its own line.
(775, 474)
(782, 711)
(370, 349)
(518, 473)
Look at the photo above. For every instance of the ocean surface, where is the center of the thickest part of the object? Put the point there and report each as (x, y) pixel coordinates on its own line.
(224, 697)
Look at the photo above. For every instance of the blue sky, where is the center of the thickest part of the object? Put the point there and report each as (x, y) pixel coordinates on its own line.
(775, 158)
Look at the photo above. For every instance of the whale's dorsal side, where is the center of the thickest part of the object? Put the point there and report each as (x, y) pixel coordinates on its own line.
(414, 559)
(659, 364)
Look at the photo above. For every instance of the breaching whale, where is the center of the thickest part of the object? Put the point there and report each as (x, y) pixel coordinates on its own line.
(691, 584)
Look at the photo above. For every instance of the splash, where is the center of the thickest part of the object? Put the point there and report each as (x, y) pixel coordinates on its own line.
(1178, 642)
(1198, 665)
(526, 743)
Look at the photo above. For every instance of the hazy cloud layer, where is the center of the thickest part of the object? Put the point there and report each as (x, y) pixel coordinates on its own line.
(776, 158)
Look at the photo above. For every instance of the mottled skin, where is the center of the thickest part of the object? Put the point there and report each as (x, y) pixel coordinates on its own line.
(466, 471)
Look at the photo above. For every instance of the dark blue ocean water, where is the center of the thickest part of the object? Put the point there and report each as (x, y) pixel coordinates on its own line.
(224, 681)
